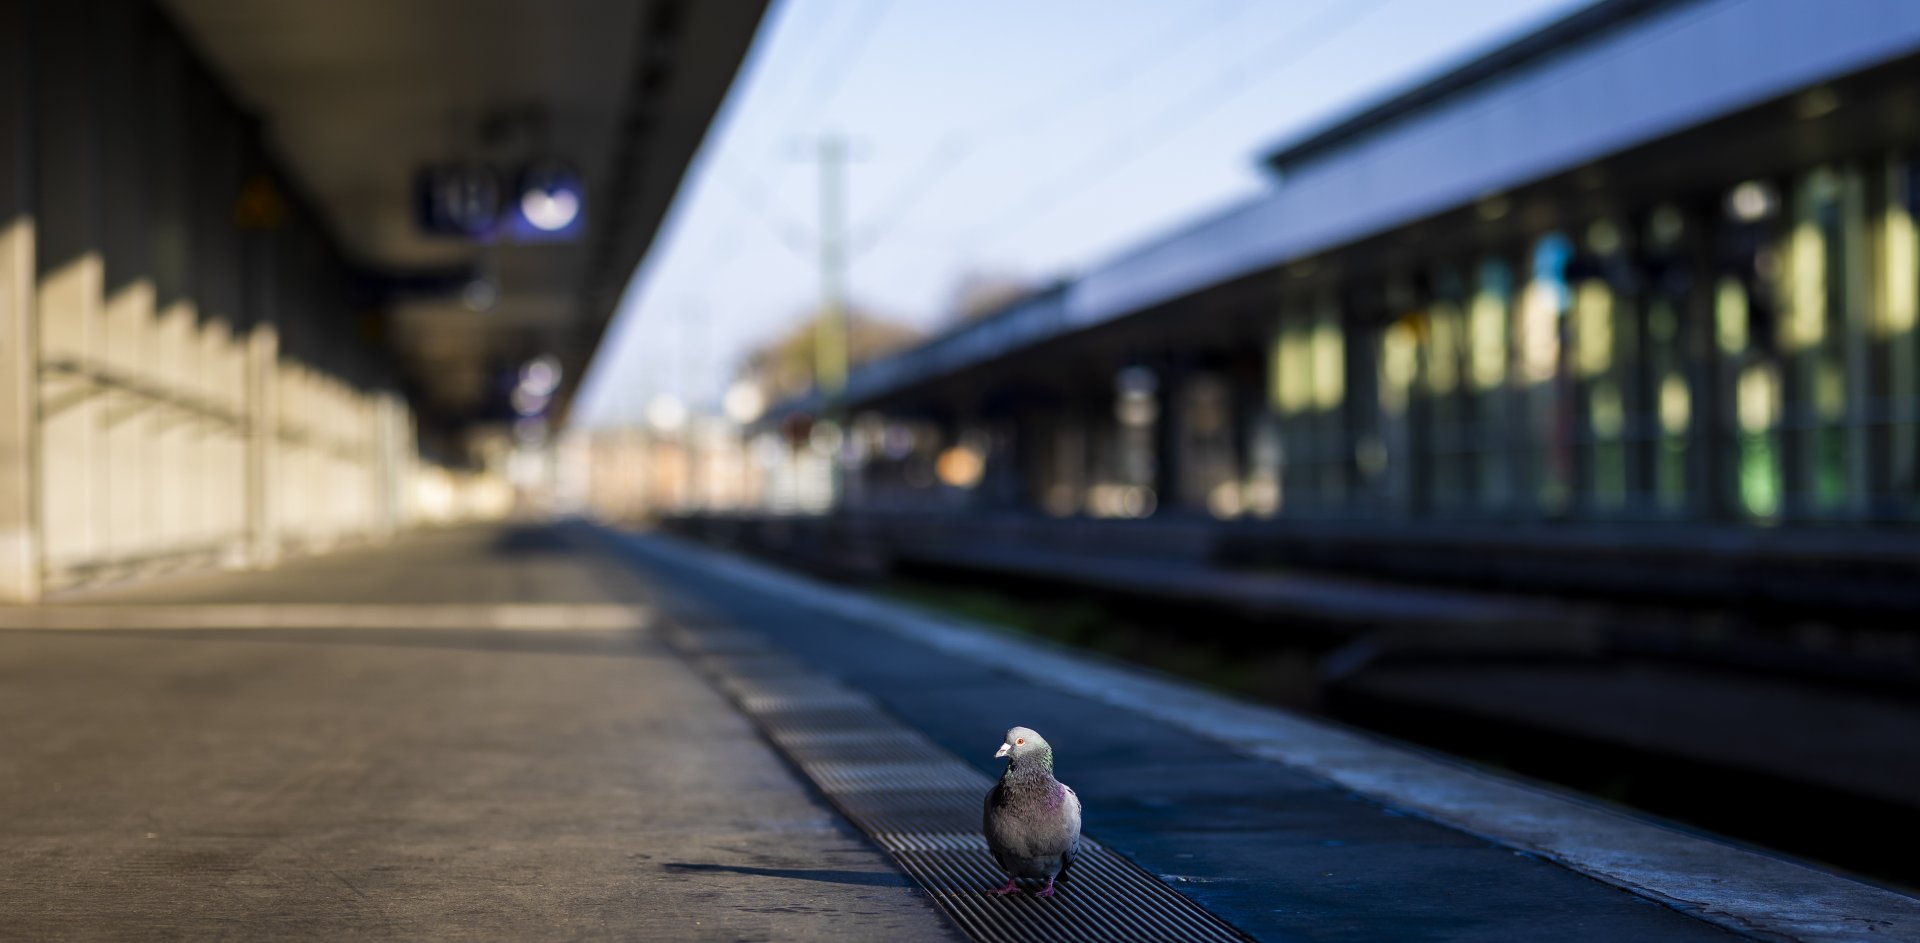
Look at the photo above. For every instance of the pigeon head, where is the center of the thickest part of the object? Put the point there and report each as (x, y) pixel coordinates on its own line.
(1023, 742)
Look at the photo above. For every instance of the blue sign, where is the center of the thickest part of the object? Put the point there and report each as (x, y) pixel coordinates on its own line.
(548, 202)
(459, 199)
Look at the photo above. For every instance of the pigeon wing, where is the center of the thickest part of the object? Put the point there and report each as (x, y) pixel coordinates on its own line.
(1070, 825)
(993, 826)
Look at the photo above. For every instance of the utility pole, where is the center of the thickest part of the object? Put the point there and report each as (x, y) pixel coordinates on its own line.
(830, 329)
(692, 357)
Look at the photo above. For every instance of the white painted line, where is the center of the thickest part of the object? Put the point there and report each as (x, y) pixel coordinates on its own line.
(1743, 889)
(518, 617)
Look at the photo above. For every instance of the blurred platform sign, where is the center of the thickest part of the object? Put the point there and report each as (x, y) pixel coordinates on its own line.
(468, 200)
(457, 199)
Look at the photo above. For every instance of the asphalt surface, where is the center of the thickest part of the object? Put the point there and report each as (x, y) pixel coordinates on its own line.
(410, 783)
(1279, 854)
(1853, 741)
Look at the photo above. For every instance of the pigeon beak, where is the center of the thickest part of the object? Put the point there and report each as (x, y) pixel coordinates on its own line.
(1005, 749)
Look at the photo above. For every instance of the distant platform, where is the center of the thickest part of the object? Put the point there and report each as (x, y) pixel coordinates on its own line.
(1869, 575)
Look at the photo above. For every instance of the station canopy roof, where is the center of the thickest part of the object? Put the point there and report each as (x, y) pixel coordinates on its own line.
(357, 97)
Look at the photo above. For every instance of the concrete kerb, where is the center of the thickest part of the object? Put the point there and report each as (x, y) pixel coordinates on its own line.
(518, 617)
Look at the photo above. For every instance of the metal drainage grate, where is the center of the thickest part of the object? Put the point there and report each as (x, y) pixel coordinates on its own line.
(923, 806)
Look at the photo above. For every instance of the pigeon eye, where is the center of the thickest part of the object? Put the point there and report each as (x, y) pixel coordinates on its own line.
(1020, 742)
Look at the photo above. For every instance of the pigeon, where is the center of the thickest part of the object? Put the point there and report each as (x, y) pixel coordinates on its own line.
(1032, 820)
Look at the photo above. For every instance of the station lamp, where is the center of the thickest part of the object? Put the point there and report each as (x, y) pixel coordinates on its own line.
(533, 392)
(666, 413)
(1752, 201)
(541, 375)
(549, 203)
(744, 402)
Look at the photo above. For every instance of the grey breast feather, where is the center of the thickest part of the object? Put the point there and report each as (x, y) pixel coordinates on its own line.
(1029, 834)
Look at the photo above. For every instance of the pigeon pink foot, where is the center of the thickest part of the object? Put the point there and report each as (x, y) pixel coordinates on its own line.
(1046, 891)
(1011, 886)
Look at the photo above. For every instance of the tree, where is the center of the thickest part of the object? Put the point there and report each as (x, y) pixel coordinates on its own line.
(978, 294)
(783, 367)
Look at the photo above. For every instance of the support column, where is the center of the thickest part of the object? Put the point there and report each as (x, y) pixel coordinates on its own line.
(219, 346)
(168, 478)
(67, 197)
(392, 446)
(19, 341)
(1169, 452)
(128, 419)
(263, 438)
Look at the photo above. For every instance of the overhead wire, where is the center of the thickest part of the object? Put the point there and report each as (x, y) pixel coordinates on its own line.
(829, 80)
(1330, 22)
(754, 198)
(1112, 77)
(747, 188)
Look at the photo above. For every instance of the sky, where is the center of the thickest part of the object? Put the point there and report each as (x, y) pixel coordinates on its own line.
(1029, 138)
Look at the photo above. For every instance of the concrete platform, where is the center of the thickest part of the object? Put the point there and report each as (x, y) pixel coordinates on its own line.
(483, 734)
(413, 781)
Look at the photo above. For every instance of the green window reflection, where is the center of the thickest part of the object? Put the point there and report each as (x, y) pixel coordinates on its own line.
(1756, 396)
(1542, 387)
(1674, 403)
(1899, 271)
(1488, 324)
(1446, 415)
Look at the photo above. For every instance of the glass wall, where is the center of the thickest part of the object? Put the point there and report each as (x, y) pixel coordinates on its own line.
(1541, 382)
(1604, 370)
(1309, 388)
(1750, 356)
(1209, 473)
(1449, 442)
(1669, 388)
(1489, 329)
(1895, 387)
(1813, 341)
(1399, 438)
